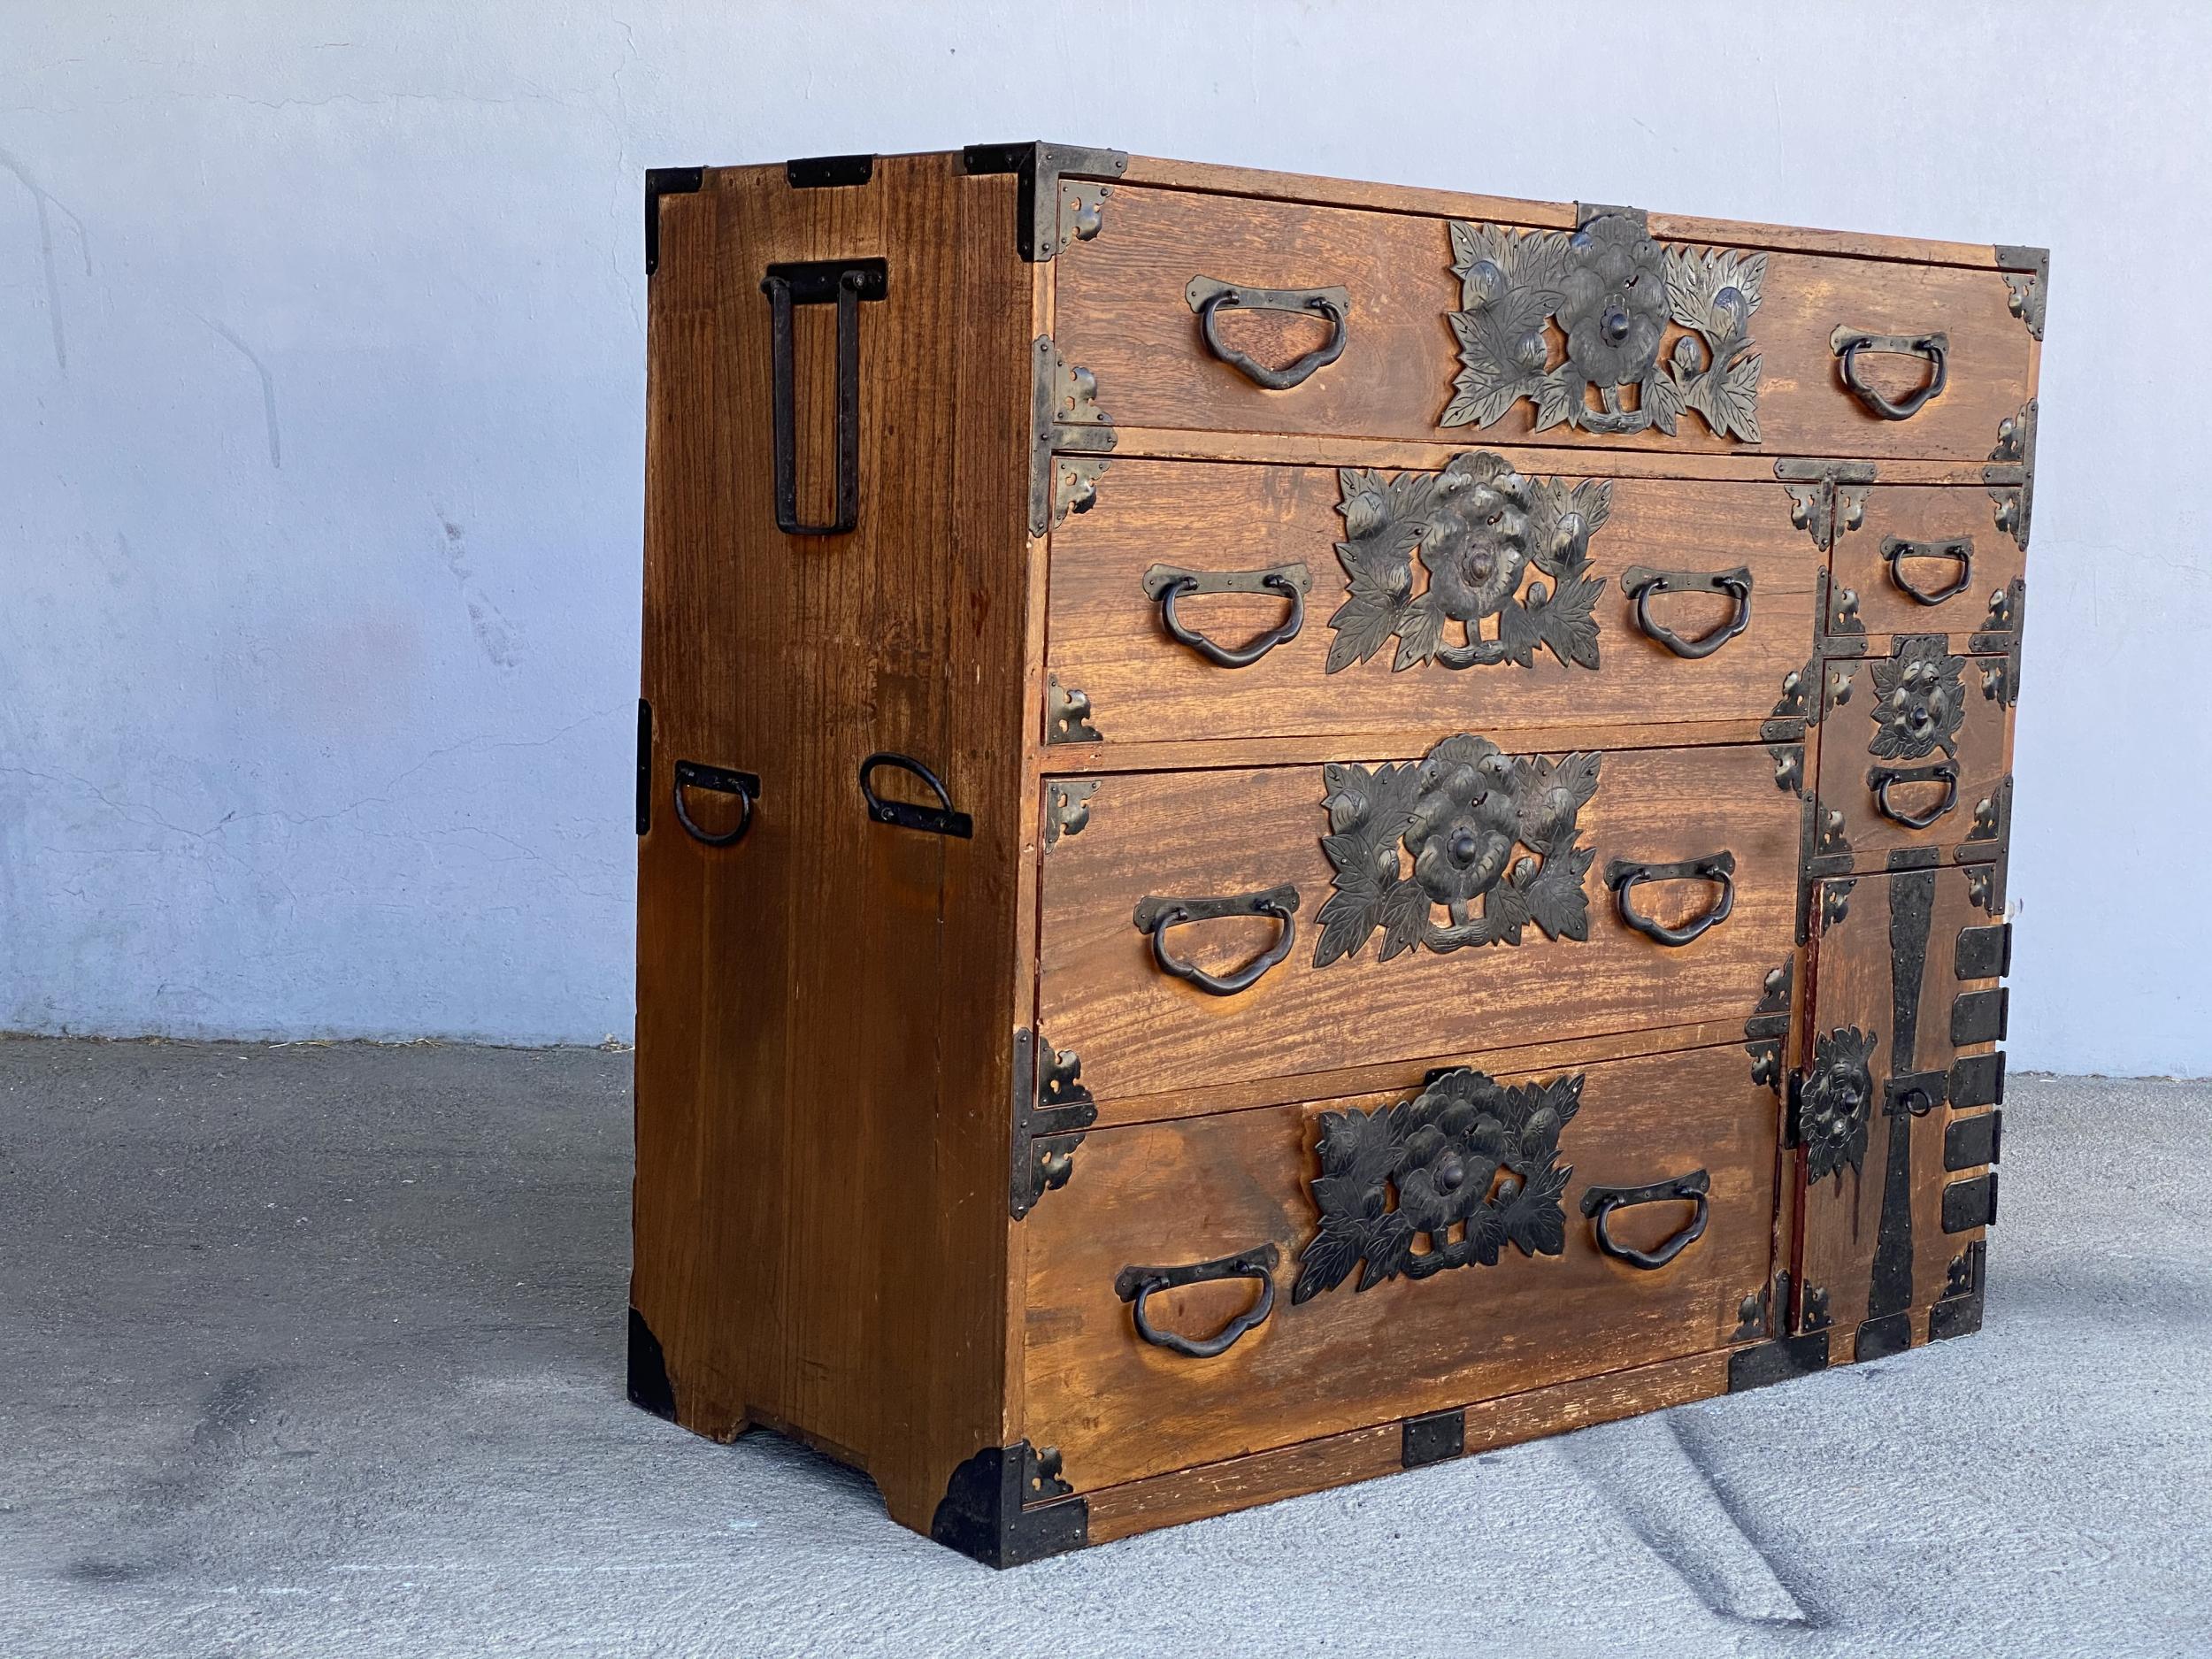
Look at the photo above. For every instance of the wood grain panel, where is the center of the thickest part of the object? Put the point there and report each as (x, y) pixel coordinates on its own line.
(1885, 608)
(819, 1220)
(1854, 989)
(1108, 637)
(1121, 313)
(1119, 1408)
(1197, 834)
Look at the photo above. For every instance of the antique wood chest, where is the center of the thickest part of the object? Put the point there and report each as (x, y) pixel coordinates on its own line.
(1292, 828)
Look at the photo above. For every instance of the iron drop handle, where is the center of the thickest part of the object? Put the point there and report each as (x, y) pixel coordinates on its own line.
(939, 820)
(1168, 583)
(1154, 915)
(1936, 348)
(1641, 583)
(1208, 295)
(1600, 1202)
(691, 774)
(1623, 875)
(846, 282)
(1882, 780)
(1959, 549)
(1136, 1285)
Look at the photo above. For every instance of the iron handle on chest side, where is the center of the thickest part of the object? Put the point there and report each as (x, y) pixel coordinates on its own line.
(845, 283)
(938, 820)
(693, 774)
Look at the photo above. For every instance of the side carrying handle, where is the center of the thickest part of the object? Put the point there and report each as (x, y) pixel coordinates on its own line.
(1600, 1202)
(693, 774)
(1168, 583)
(1209, 295)
(1936, 348)
(1882, 780)
(1641, 583)
(1136, 1285)
(818, 282)
(939, 820)
(1959, 549)
(1156, 914)
(1623, 875)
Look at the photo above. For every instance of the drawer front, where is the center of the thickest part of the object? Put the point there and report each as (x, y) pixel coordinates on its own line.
(1926, 560)
(1915, 751)
(1473, 594)
(1241, 1204)
(1892, 1111)
(1400, 323)
(1176, 878)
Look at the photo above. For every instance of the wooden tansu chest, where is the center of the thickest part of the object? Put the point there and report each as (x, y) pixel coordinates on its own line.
(1292, 828)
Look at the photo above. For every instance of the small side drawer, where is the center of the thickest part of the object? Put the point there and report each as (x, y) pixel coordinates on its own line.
(1916, 752)
(1244, 1224)
(1925, 560)
(1231, 313)
(1215, 927)
(1209, 600)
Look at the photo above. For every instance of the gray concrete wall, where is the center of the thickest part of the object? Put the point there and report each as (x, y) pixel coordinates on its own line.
(321, 344)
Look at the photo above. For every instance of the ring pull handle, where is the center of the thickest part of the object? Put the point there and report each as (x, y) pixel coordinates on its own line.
(1959, 549)
(1168, 583)
(1935, 349)
(1641, 583)
(1600, 1202)
(1882, 780)
(818, 282)
(1154, 915)
(1137, 1285)
(693, 774)
(938, 820)
(1623, 875)
(1209, 294)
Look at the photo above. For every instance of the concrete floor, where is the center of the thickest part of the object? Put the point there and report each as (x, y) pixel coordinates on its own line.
(318, 1351)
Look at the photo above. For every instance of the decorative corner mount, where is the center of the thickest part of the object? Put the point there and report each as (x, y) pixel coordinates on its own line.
(1067, 807)
(1069, 436)
(1039, 216)
(2027, 274)
(1052, 1110)
(1827, 498)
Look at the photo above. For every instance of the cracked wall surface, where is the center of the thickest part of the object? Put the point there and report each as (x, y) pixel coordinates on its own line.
(322, 387)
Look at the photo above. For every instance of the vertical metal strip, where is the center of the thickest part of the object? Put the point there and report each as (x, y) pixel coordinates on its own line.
(1912, 910)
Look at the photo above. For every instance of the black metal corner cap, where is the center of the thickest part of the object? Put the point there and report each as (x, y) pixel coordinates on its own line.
(981, 1514)
(661, 182)
(1041, 166)
(649, 1387)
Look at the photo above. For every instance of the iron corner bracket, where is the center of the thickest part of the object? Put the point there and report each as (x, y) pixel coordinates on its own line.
(1007, 1504)
(2027, 272)
(1432, 1438)
(1051, 1111)
(661, 182)
(1764, 1363)
(649, 1387)
(1037, 233)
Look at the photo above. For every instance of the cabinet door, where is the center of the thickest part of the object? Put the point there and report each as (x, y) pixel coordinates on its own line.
(1893, 1109)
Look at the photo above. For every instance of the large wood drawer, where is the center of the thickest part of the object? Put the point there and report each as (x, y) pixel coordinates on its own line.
(1538, 580)
(1154, 842)
(1126, 310)
(1225, 1190)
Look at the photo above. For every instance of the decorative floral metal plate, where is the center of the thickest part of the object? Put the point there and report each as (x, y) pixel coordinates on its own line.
(1467, 1155)
(1610, 291)
(1920, 700)
(1834, 1104)
(1408, 838)
(1477, 527)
